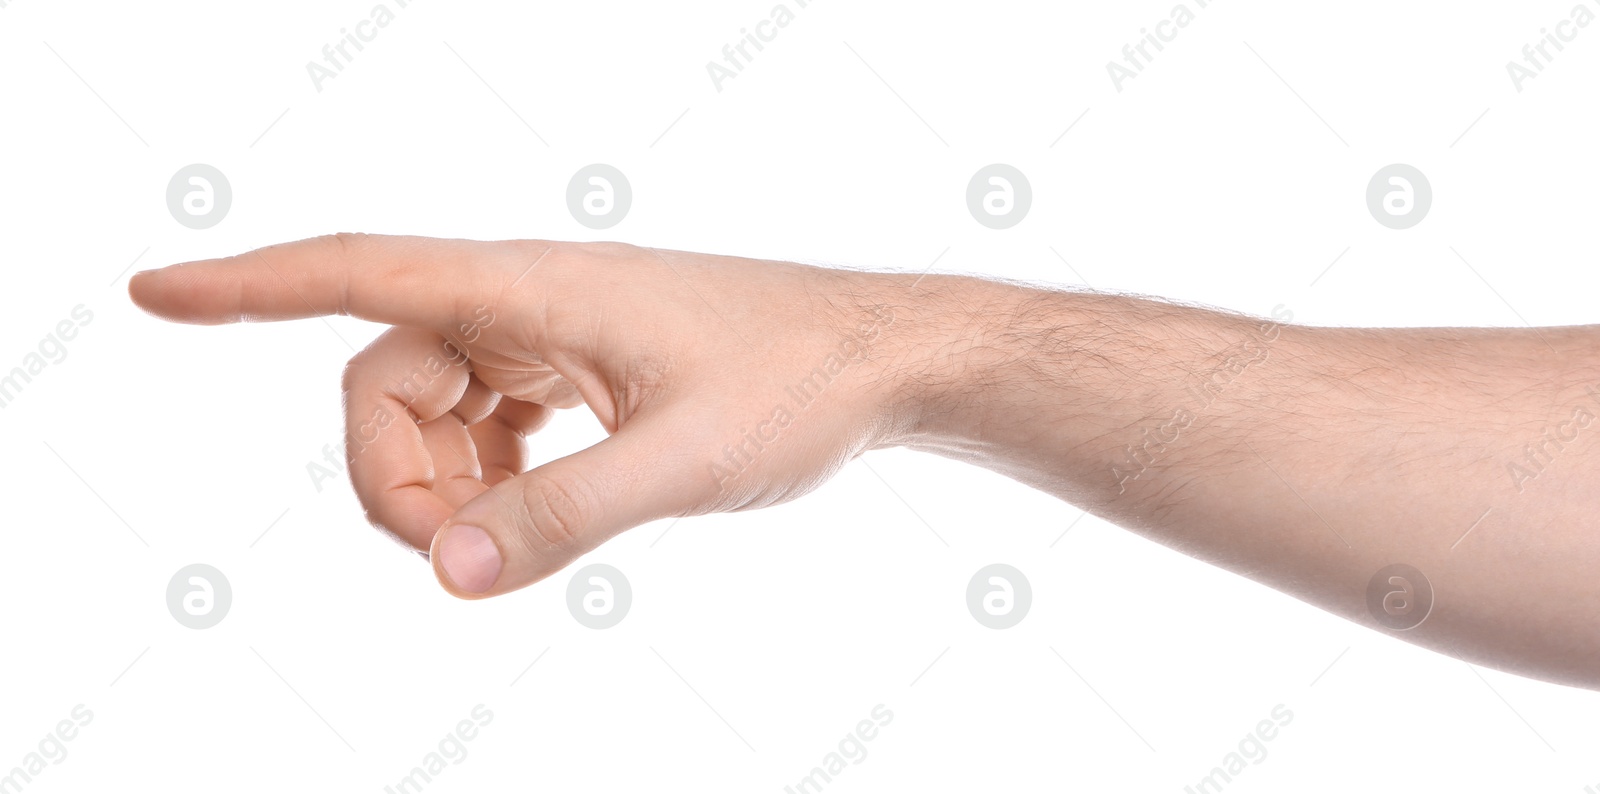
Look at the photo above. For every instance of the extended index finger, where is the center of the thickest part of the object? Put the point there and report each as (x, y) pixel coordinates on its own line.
(416, 281)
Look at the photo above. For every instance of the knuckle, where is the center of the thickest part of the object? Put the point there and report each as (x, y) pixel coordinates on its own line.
(556, 508)
(529, 251)
(346, 243)
(345, 249)
(614, 250)
(582, 261)
(350, 378)
(360, 371)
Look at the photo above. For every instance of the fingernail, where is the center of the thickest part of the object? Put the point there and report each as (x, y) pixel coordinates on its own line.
(470, 558)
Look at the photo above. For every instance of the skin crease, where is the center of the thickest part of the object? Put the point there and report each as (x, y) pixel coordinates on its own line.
(1304, 458)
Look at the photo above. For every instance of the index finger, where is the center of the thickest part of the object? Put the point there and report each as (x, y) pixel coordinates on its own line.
(415, 281)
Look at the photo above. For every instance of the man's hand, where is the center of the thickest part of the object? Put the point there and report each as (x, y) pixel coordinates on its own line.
(1453, 468)
(724, 383)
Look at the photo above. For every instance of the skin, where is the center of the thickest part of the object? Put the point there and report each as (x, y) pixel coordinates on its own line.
(1305, 458)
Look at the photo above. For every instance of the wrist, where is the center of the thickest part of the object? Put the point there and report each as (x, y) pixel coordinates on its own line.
(946, 357)
(1058, 385)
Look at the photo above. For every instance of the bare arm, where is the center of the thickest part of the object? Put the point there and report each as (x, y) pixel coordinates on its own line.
(1313, 460)
(1309, 459)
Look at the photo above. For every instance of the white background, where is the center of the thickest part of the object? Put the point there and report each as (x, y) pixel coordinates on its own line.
(756, 641)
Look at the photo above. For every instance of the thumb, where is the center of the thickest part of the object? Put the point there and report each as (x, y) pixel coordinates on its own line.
(528, 527)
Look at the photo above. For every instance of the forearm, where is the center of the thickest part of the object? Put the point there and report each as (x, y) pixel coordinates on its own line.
(1308, 459)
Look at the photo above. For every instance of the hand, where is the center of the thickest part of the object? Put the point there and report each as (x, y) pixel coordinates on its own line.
(729, 384)
(724, 383)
